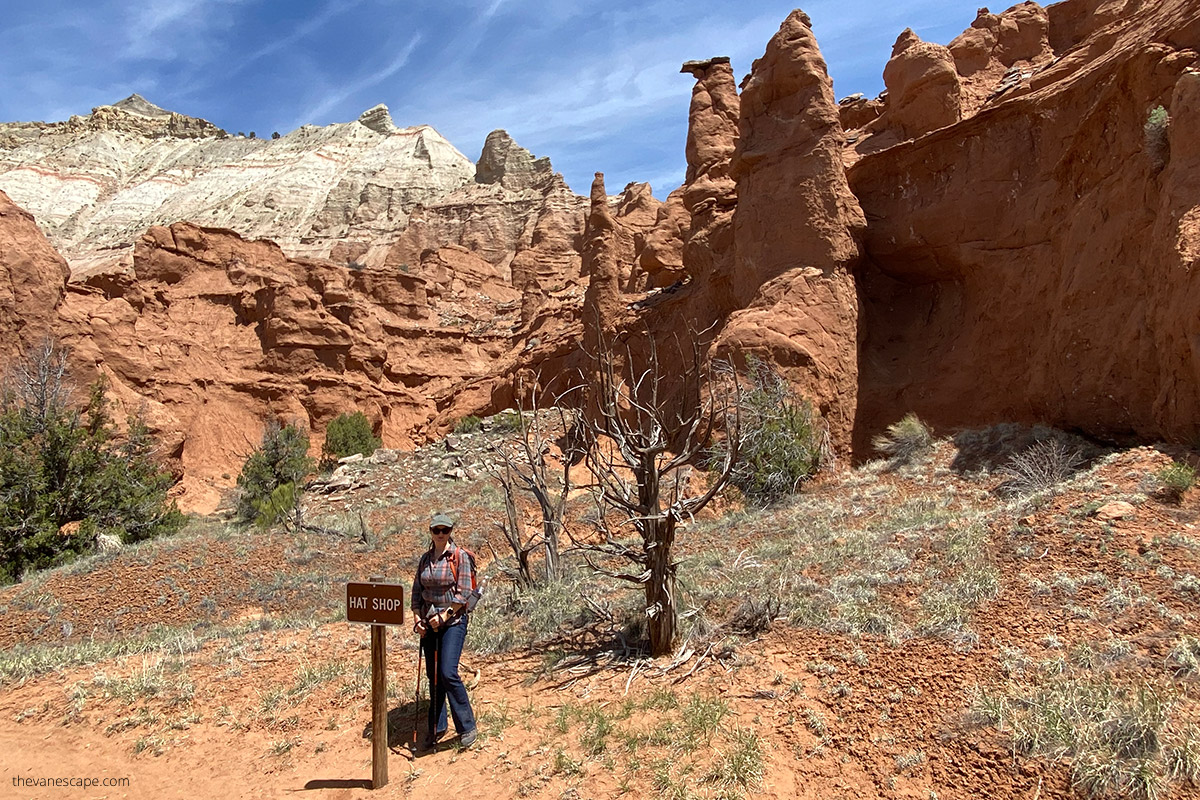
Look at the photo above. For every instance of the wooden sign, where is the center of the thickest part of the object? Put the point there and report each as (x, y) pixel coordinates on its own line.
(375, 603)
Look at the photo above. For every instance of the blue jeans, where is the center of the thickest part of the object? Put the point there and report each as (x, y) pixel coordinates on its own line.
(443, 649)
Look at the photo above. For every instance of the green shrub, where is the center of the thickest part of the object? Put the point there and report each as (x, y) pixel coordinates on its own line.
(781, 439)
(1176, 479)
(66, 476)
(269, 484)
(469, 424)
(507, 421)
(905, 439)
(346, 435)
(1156, 141)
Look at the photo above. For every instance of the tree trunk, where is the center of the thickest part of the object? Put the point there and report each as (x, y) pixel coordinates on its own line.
(661, 613)
(550, 534)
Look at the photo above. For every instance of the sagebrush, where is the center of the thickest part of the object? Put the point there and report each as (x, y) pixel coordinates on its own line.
(781, 439)
(904, 440)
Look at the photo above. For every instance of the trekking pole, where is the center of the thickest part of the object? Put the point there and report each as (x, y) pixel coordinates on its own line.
(417, 697)
(436, 655)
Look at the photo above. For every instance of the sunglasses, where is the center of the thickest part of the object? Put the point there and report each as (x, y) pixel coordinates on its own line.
(439, 531)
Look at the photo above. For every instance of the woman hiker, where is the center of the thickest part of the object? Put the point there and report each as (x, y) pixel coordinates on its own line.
(440, 592)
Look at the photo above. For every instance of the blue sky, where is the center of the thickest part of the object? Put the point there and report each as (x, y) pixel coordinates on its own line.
(594, 86)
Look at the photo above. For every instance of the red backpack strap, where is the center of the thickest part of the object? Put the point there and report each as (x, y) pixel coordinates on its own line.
(462, 552)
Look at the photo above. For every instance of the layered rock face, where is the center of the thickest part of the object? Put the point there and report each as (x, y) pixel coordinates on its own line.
(1036, 261)
(32, 278)
(930, 86)
(214, 335)
(95, 183)
(497, 214)
(1032, 230)
(1017, 239)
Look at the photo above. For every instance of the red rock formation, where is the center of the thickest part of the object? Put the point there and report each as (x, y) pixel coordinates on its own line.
(1000, 52)
(796, 228)
(710, 192)
(215, 335)
(32, 279)
(661, 255)
(923, 88)
(602, 304)
(1033, 263)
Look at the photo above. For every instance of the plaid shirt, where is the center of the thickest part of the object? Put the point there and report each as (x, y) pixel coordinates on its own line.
(434, 586)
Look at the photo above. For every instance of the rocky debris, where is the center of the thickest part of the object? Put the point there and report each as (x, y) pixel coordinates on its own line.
(107, 544)
(410, 473)
(1115, 510)
(32, 279)
(384, 456)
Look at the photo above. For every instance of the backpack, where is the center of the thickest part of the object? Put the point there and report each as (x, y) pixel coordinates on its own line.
(476, 587)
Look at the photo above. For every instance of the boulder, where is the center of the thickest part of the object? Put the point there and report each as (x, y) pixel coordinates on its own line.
(923, 89)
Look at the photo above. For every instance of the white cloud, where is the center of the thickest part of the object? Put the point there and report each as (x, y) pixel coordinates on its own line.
(315, 114)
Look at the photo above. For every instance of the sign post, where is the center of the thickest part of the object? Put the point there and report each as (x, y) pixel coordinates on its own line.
(377, 604)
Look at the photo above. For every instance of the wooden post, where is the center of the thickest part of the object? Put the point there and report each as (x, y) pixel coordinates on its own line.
(379, 711)
(377, 604)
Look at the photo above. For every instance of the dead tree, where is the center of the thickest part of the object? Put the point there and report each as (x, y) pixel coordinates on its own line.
(511, 528)
(640, 431)
(38, 381)
(528, 470)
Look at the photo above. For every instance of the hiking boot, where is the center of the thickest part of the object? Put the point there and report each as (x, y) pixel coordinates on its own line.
(429, 742)
(467, 739)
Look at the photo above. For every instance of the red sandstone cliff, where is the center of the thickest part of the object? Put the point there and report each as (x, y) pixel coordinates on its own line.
(1035, 262)
(32, 276)
(1010, 242)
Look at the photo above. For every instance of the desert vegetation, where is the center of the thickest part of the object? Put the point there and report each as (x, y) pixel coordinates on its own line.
(70, 481)
(271, 482)
(906, 620)
(347, 435)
